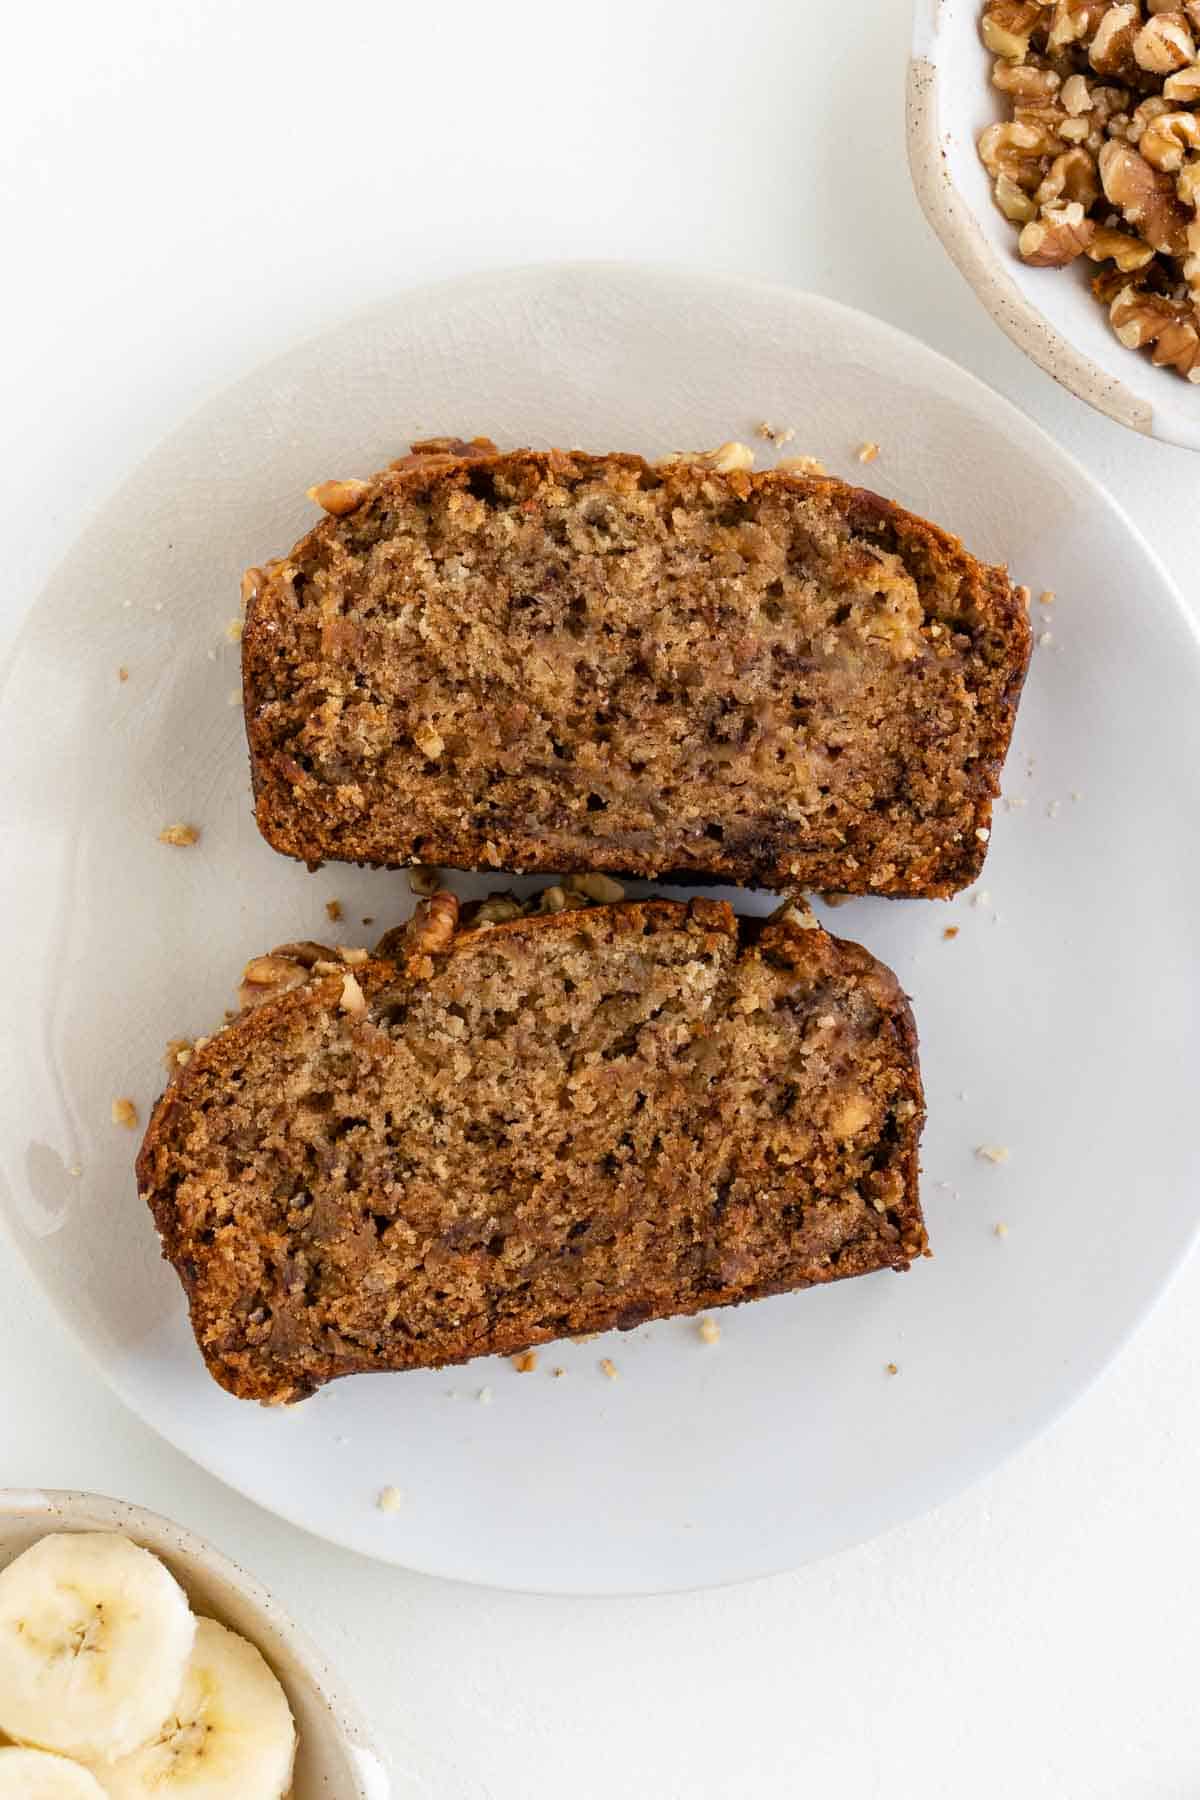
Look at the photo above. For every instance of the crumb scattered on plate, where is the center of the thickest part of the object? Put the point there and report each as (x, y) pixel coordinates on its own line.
(993, 1153)
(181, 836)
(951, 931)
(526, 1363)
(233, 631)
(390, 1500)
(484, 1396)
(122, 673)
(1047, 597)
(124, 1112)
(892, 1368)
(558, 1373)
(608, 1367)
(867, 453)
(1001, 1230)
(710, 1331)
(333, 910)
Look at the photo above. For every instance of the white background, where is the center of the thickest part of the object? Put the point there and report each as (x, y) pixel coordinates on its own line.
(188, 188)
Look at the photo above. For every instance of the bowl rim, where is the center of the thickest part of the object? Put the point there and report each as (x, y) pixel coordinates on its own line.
(78, 1509)
(953, 219)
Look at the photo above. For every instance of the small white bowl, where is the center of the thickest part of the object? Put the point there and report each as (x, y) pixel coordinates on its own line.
(1049, 312)
(337, 1758)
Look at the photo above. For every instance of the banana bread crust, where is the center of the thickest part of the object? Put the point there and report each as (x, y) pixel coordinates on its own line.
(489, 1138)
(548, 661)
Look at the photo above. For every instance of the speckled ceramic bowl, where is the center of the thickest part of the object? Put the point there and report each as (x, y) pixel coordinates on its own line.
(337, 1757)
(1048, 312)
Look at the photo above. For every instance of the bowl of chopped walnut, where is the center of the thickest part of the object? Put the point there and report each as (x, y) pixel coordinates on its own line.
(1055, 149)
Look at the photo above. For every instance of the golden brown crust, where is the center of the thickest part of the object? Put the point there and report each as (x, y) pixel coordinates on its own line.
(287, 1253)
(911, 818)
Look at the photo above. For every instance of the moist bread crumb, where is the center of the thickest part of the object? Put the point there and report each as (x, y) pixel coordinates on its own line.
(545, 1128)
(550, 661)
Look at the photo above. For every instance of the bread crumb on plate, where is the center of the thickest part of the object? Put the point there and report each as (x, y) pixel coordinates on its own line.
(181, 836)
(124, 1112)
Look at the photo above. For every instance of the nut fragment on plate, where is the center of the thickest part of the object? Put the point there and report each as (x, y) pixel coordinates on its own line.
(726, 459)
(1100, 157)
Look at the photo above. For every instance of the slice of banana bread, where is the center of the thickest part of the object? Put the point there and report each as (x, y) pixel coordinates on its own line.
(553, 661)
(483, 1138)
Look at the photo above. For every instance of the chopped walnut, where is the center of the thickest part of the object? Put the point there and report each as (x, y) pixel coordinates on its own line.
(1117, 246)
(1145, 196)
(1164, 44)
(1026, 81)
(339, 497)
(801, 465)
(1057, 238)
(266, 976)
(1166, 142)
(600, 888)
(1013, 201)
(726, 459)
(1183, 88)
(1111, 49)
(1074, 22)
(352, 999)
(182, 837)
(1072, 177)
(1169, 329)
(1008, 25)
(429, 933)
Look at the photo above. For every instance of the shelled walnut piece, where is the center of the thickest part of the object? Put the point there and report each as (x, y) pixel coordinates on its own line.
(1101, 156)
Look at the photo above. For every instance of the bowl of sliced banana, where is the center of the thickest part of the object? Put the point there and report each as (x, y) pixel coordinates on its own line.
(136, 1660)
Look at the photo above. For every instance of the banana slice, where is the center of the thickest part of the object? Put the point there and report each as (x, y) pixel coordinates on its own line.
(36, 1775)
(229, 1736)
(95, 1635)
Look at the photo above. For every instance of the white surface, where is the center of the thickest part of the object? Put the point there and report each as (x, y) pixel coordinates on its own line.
(572, 1486)
(187, 189)
(1051, 313)
(336, 1756)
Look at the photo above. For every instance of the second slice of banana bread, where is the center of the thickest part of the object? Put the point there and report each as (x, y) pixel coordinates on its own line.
(481, 1139)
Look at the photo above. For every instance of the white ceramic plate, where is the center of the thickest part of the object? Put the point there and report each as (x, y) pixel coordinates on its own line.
(1050, 313)
(1061, 1023)
(336, 1758)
